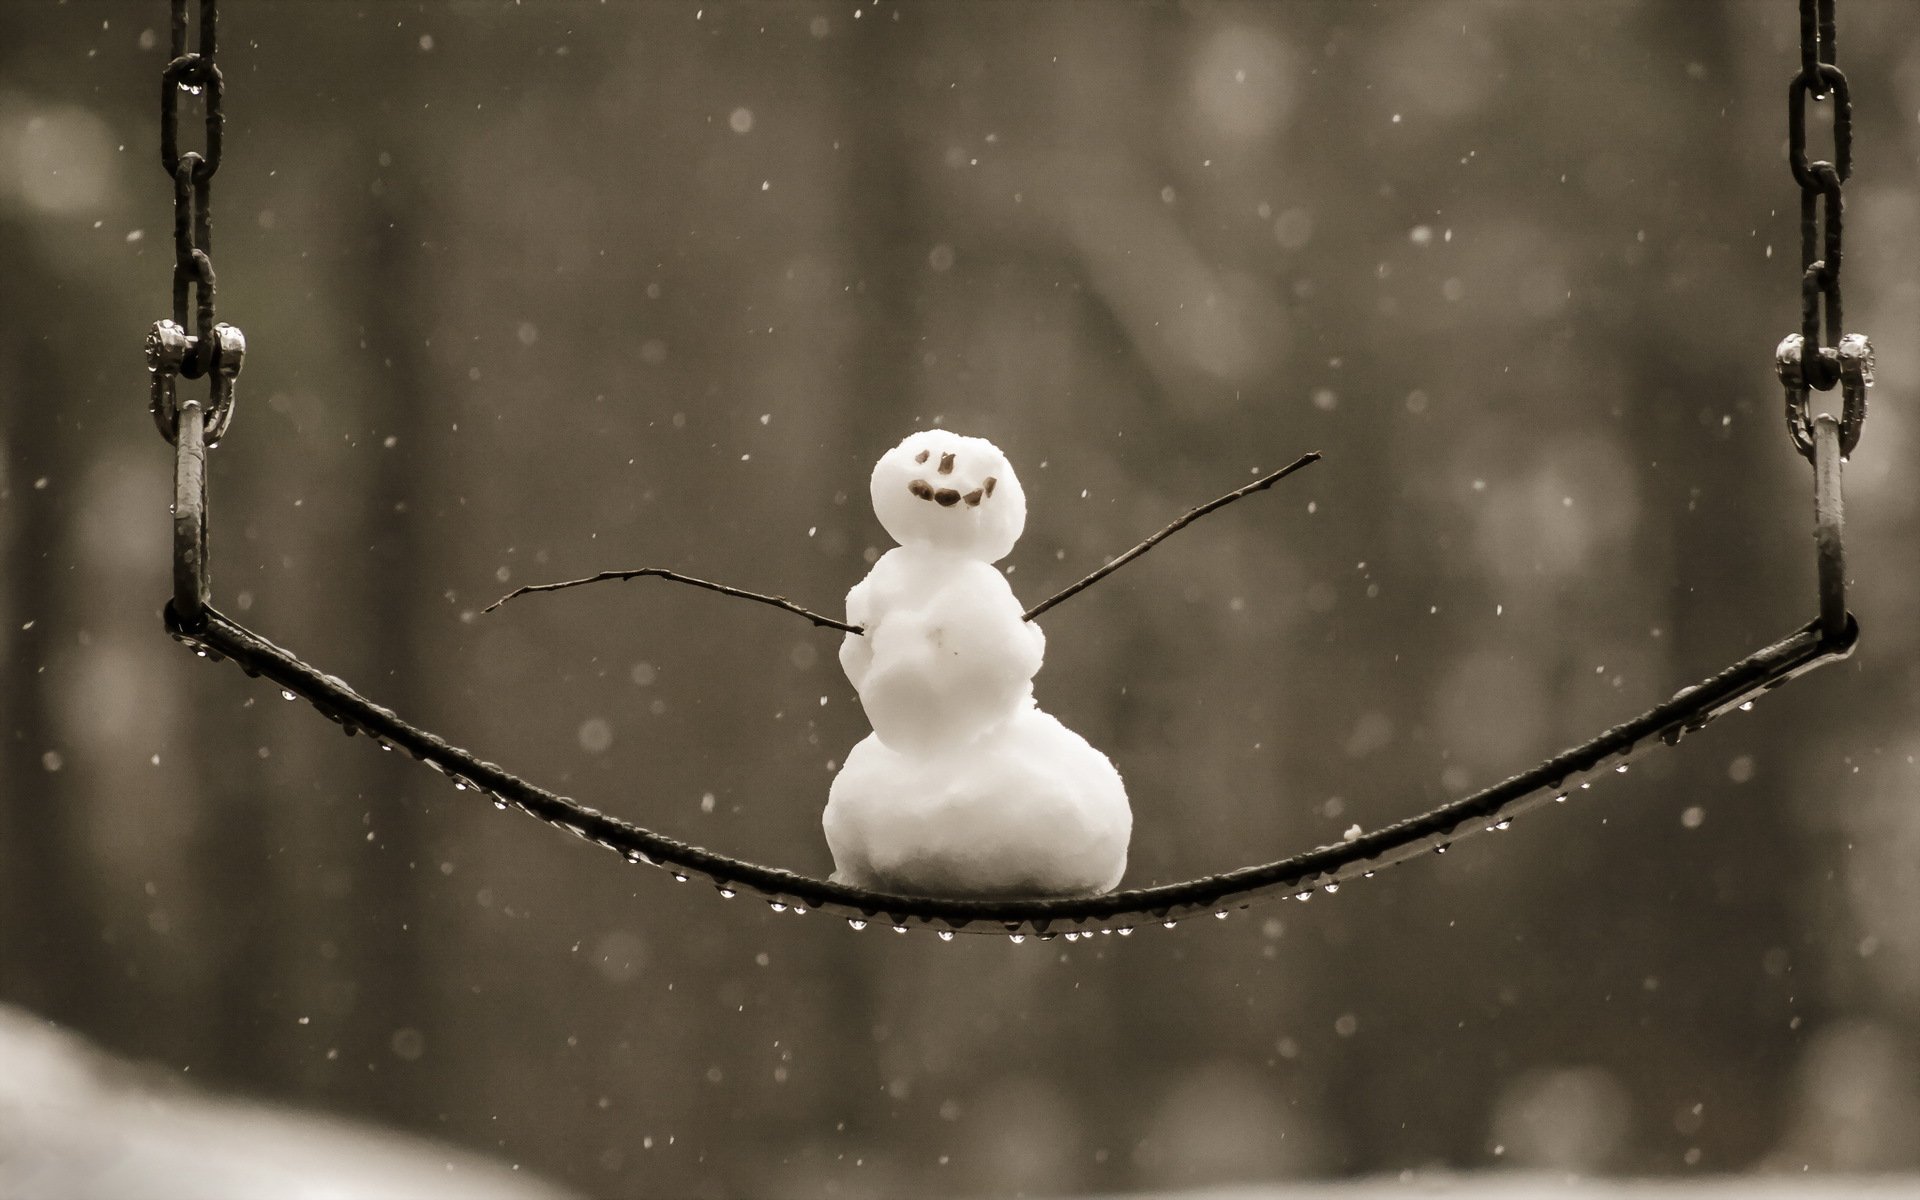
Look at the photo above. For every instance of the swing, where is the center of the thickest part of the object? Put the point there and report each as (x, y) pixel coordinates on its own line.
(1803, 361)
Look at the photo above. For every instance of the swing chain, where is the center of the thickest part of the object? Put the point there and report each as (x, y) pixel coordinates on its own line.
(1815, 359)
(213, 349)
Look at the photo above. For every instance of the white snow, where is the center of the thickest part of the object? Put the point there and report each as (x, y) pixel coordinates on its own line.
(1027, 809)
(1539, 1185)
(968, 499)
(75, 1123)
(945, 654)
(965, 787)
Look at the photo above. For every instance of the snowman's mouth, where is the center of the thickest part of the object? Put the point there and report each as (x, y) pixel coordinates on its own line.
(947, 497)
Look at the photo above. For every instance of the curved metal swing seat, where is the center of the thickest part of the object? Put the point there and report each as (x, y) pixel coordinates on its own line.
(1832, 636)
(215, 351)
(1323, 868)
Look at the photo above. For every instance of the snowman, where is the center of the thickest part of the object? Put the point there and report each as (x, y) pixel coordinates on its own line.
(965, 788)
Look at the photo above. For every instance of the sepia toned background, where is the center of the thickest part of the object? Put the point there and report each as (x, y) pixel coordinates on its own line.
(537, 289)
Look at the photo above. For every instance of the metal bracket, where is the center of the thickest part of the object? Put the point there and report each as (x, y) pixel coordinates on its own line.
(190, 586)
(1829, 513)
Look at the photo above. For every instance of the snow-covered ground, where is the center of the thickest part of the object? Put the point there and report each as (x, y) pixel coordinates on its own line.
(1525, 1186)
(76, 1124)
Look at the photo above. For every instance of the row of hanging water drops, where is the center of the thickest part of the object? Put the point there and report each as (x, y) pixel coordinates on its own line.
(728, 892)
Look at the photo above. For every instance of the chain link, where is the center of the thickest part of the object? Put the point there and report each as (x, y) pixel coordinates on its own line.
(212, 349)
(1821, 354)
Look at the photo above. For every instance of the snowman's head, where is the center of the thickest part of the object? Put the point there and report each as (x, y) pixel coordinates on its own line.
(949, 492)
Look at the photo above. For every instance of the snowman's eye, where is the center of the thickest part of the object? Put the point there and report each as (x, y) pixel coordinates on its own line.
(946, 464)
(921, 488)
(920, 457)
(987, 485)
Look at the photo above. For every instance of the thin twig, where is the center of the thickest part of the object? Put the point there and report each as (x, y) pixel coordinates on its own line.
(826, 622)
(675, 576)
(1258, 485)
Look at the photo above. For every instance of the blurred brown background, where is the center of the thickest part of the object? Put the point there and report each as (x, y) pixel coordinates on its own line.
(537, 289)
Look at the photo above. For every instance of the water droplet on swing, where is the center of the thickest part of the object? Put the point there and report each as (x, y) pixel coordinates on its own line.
(1747, 707)
(1366, 874)
(287, 695)
(799, 910)
(946, 935)
(1168, 924)
(1303, 897)
(1125, 931)
(1586, 785)
(636, 857)
(1560, 799)
(1221, 915)
(776, 906)
(1621, 769)
(459, 785)
(856, 924)
(500, 804)
(1072, 937)
(726, 893)
(1503, 823)
(1331, 888)
(1016, 938)
(679, 878)
(1441, 848)
(899, 928)
(387, 746)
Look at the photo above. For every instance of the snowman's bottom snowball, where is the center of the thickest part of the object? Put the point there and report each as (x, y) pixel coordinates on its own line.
(1027, 810)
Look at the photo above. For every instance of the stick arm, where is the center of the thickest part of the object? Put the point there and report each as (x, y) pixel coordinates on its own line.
(1259, 485)
(780, 602)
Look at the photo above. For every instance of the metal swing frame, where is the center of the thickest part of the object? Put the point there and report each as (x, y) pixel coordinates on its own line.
(215, 351)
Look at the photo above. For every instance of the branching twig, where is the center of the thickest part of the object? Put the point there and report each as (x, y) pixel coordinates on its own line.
(826, 622)
(1258, 485)
(675, 576)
